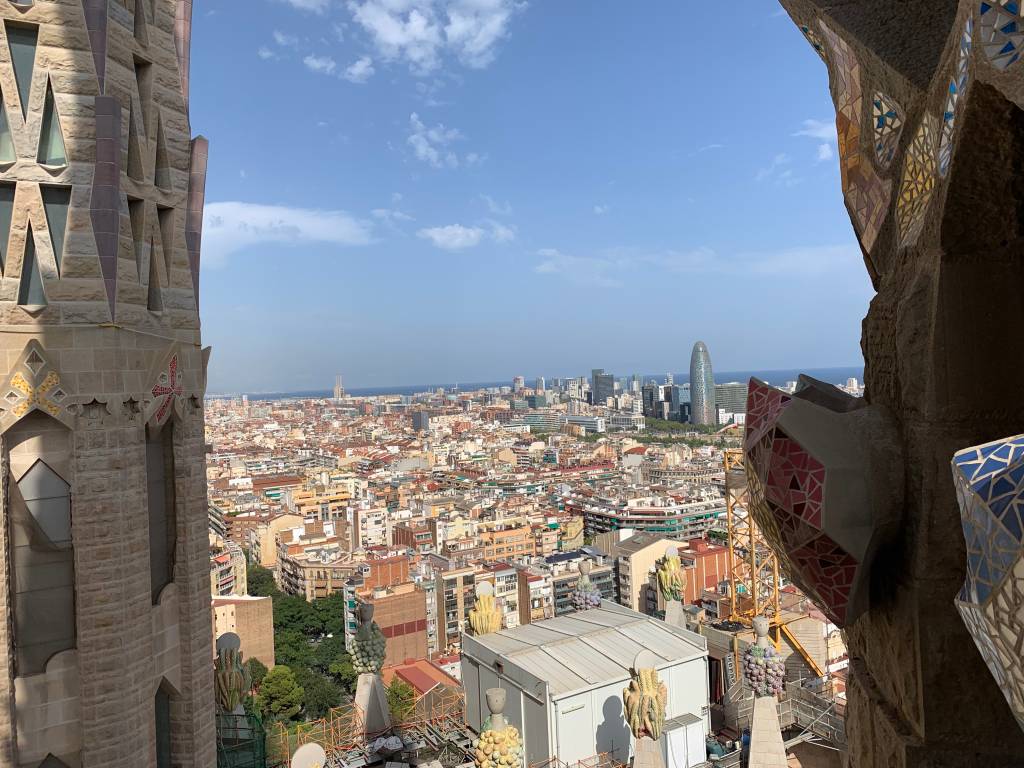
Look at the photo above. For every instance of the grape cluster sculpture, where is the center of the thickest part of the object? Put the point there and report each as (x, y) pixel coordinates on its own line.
(485, 617)
(763, 667)
(671, 578)
(586, 595)
(645, 700)
(369, 648)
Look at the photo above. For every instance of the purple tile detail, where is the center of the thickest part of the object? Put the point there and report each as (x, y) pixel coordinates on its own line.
(96, 22)
(194, 214)
(183, 42)
(105, 205)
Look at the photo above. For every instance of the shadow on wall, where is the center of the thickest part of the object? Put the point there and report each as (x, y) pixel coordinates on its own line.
(613, 734)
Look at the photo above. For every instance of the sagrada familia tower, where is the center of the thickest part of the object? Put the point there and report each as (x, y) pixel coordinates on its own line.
(105, 585)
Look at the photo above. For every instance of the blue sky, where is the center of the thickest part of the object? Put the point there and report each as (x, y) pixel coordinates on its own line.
(410, 191)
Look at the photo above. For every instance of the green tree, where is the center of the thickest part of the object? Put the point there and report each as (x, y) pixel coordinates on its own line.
(280, 696)
(257, 671)
(401, 700)
(294, 613)
(344, 674)
(320, 694)
(330, 613)
(260, 581)
(292, 648)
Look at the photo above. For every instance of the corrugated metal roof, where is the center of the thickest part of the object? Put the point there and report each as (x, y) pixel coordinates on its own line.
(543, 666)
(588, 648)
(659, 640)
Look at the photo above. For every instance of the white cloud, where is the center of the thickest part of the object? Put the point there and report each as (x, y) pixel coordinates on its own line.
(612, 267)
(390, 215)
(360, 70)
(496, 208)
(314, 6)
(709, 147)
(501, 233)
(231, 227)
(285, 40)
(778, 172)
(823, 130)
(825, 152)
(601, 210)
(396, 197)
(431, 144)
(265, 53)
(323, 65)
(577, 269)
(453, 237)
(422, 32)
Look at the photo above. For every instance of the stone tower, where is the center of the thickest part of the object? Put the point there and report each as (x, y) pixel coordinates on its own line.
(105, 589)
(929, 99)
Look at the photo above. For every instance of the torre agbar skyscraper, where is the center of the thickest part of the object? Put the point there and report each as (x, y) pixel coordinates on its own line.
(105, 584)
(702, 386)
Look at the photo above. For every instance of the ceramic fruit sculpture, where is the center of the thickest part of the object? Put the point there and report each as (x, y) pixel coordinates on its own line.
(671, 577)
(763, 667)
(368, 647)
(499, 745)
(485, 617)
(645, 700)
(586, 595)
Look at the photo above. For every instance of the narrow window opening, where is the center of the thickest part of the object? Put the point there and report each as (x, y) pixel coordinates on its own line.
(144, 82)
(51, 140)
(135, 171)
(6, 211)
(30, 290)
(56, 203)
(162, 712)
(165, 217)
(137, 214)
(154, 301)
(161, 169)
(21, 40)
(43, 558)
(162, 517)
(7, 154)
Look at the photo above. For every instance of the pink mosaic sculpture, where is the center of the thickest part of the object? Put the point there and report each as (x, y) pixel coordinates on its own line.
(825, 473)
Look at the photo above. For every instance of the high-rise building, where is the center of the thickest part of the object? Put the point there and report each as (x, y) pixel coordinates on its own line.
(339, 389)
(518, 384)
(539, 386)
(702, 387)
(670, 379)
(602, 386)
(634, 384)
(731, 397)
(106, 617)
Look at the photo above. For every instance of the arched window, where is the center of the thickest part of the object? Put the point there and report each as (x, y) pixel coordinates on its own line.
(42, 553)
(162, 518)
(162, 724)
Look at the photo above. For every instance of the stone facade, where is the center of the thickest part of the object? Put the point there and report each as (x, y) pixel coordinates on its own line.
(100, 355)
(930, 118)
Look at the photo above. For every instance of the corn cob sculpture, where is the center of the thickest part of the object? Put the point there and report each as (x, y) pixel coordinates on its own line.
(485, 616)
(671, 577)
(231, 679)
(645, 700)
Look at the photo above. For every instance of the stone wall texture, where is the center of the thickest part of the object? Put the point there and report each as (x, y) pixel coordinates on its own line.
(113, 351)
(931, 144)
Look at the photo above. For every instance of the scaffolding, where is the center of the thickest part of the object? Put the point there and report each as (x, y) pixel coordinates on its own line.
(434, 725)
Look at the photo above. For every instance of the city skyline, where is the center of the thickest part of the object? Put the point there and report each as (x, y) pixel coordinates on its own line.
(449, 204)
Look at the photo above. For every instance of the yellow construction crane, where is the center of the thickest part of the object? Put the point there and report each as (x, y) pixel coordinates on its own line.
(753, 566)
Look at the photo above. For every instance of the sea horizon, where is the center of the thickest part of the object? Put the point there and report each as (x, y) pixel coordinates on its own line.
(835, 375)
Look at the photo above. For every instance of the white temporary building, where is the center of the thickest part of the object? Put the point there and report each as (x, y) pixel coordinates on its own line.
(564, 679)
